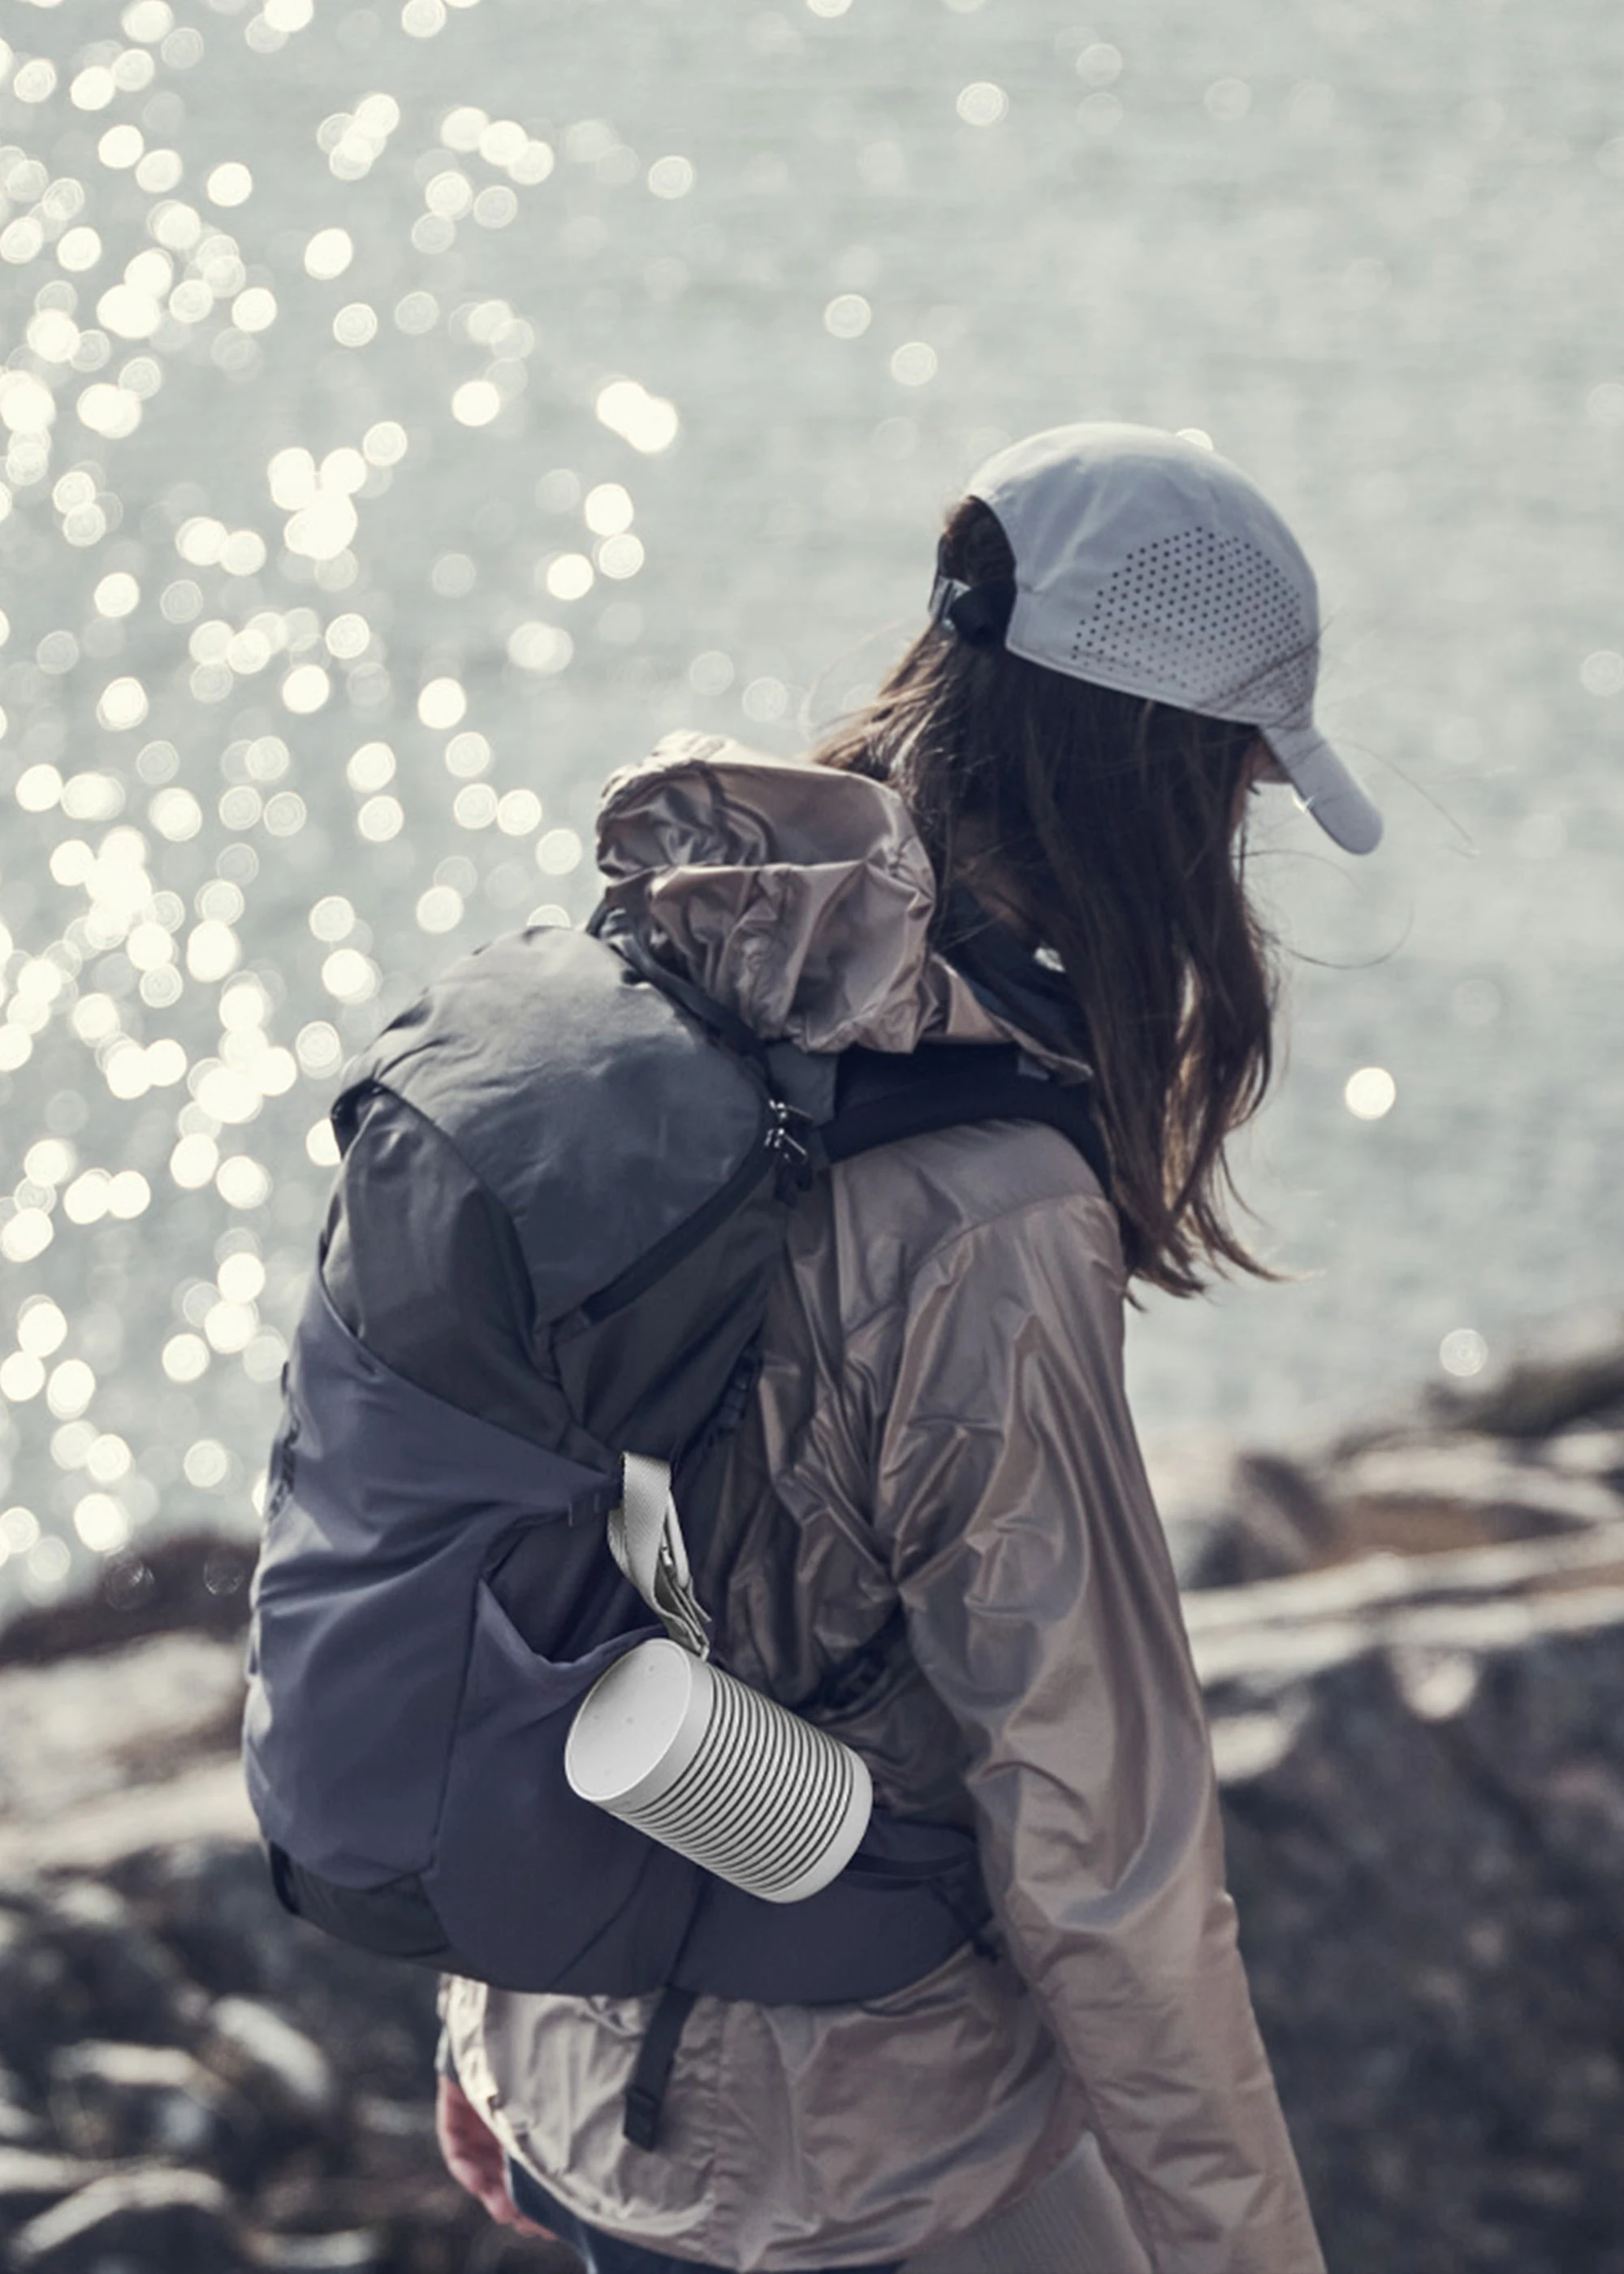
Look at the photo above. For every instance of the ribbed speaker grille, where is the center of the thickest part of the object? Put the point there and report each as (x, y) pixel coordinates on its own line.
(762, 1799)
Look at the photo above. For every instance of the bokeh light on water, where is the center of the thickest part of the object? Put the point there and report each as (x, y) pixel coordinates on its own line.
(408, 411)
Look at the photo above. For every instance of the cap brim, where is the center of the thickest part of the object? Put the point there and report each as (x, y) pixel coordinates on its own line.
(1326, 787)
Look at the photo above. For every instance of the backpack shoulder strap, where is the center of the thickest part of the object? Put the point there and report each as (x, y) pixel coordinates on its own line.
(882, 1097)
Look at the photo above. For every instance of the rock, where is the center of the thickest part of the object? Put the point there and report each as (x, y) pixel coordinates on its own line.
(1462, 1491)
(29, 2179)
(1584, 1450)
(81, 1965)
(192, 1583)
(17, 2125)
(1575, 1373)
(360, 2251)
(1416, 1491)
(126, 1750)
(212, 1903)
(1423, 1802)
(1412, 1646)
(412, 2120)
(31, 1976)
(276, 2065)
(170, 2222)
(119, 2101)
(1277, 1519)
(79, 1728)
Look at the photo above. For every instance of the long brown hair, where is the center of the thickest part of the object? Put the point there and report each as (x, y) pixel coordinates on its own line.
(1110, 818)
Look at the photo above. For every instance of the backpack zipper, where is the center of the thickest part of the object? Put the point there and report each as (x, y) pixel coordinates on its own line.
(791, 1136)
(765, 1156)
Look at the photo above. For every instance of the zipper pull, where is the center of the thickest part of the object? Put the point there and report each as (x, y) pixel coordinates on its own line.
(791, 1136)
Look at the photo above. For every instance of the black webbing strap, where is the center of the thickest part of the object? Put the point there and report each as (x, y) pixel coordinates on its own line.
(645, 2093)
(881, 1097)
(844, 1686)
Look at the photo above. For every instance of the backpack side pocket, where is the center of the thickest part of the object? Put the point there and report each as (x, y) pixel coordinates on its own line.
(538, 1889)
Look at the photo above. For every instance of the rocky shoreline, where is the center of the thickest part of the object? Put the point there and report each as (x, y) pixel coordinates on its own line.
(1413, 1647)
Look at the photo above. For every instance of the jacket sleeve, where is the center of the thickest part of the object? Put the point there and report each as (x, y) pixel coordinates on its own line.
(1042, 1610)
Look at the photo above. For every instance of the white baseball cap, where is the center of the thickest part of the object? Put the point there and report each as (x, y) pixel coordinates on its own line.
(1144, 561)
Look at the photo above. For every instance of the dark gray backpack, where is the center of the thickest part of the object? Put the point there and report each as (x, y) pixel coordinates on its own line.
(435, 1594)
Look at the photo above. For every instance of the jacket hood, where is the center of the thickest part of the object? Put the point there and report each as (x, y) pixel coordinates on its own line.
(797, 896)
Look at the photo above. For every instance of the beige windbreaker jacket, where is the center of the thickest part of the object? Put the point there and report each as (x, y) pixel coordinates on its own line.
(941, 1420)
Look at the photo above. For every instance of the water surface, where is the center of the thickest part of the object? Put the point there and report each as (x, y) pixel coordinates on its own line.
(410, 414)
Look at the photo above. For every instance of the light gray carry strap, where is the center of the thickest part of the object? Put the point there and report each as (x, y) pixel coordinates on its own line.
(645, 1540)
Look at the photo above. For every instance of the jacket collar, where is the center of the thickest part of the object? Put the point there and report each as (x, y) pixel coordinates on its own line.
(1007, 978)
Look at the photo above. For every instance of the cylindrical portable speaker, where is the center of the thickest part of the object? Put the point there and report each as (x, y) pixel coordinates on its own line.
(730, 1779)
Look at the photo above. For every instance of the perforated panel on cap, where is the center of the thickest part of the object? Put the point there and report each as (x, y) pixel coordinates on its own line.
(1210, 618)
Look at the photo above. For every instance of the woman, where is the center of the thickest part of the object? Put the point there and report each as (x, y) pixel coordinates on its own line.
(1035, 829)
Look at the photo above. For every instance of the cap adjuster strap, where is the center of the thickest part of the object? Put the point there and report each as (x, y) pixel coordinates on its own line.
(942, 592)
(979, 614)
